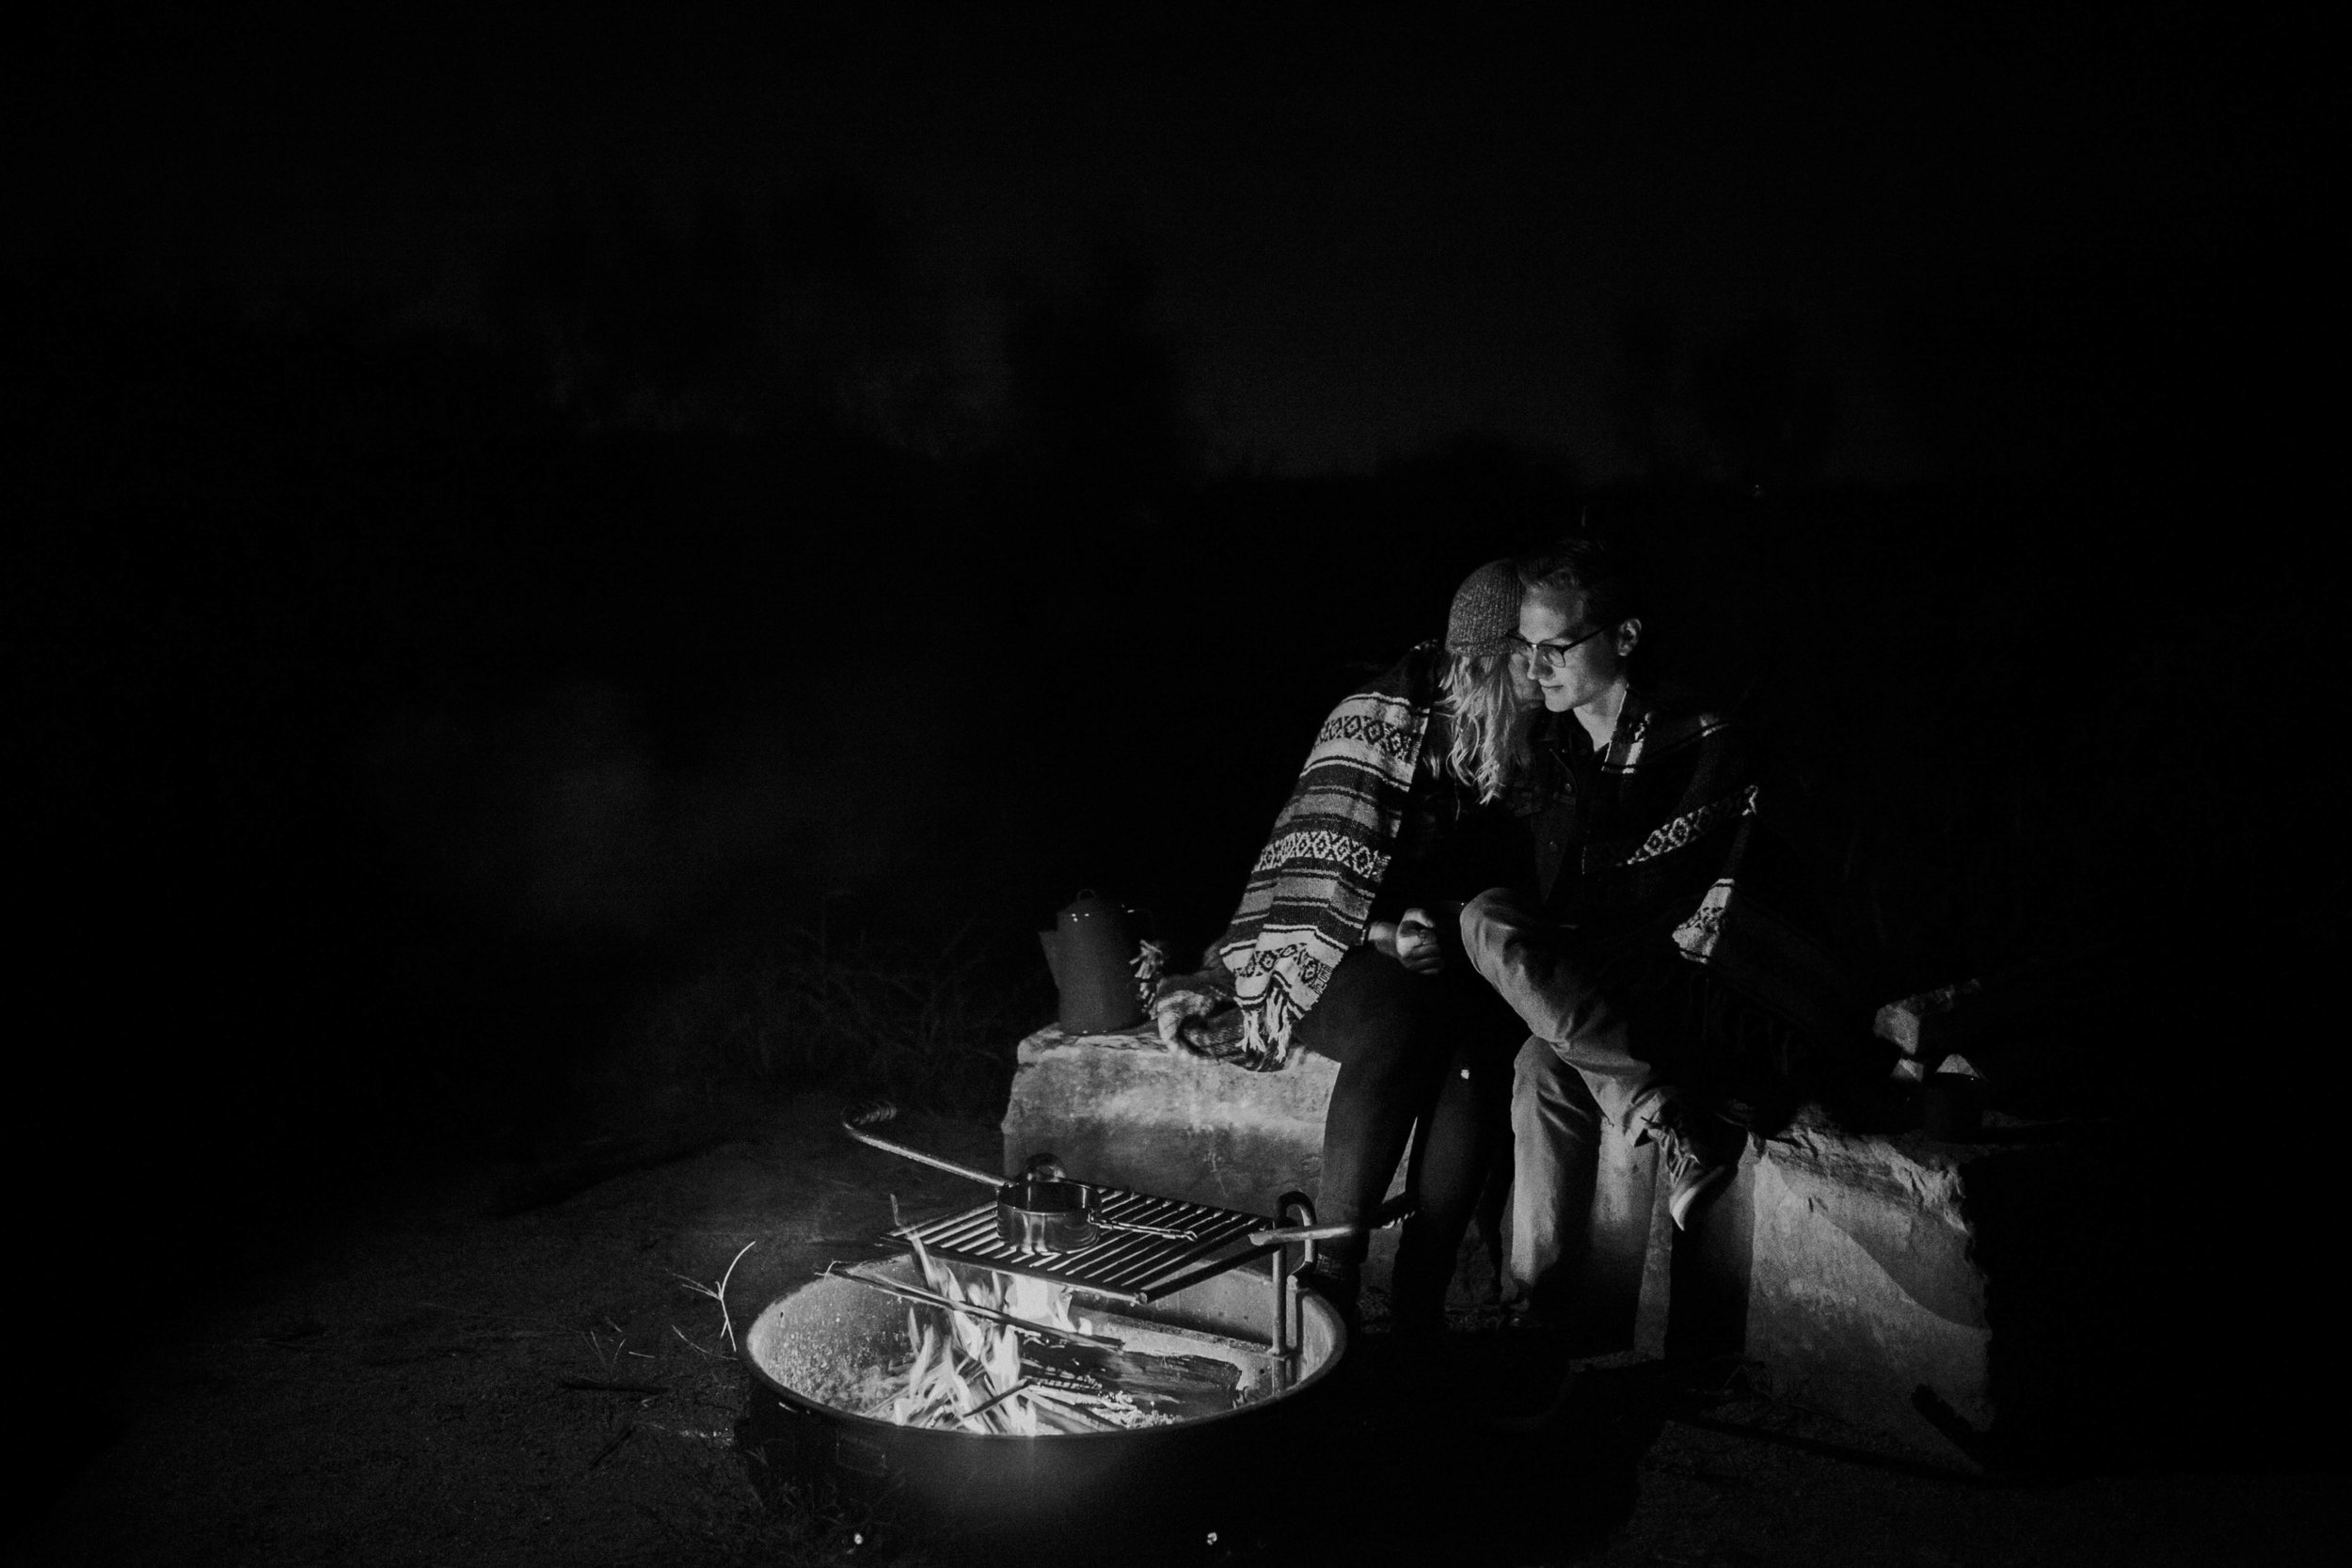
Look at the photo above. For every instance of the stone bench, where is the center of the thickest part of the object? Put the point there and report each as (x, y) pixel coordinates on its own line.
(1932, 1293)
(1942, 1295)
(1125, 1111)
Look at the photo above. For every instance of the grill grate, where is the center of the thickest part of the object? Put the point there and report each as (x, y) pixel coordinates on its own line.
(1123, 1265)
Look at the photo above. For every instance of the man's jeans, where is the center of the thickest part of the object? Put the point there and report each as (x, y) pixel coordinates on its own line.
(1552, 981)
(1555, 1160)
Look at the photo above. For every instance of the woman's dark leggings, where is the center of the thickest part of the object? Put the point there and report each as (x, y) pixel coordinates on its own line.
(1426, 1051)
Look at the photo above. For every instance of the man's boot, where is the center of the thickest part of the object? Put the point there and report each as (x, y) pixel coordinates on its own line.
(1699, 1154)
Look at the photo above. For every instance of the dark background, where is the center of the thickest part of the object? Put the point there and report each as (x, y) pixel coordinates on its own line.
(511, 522)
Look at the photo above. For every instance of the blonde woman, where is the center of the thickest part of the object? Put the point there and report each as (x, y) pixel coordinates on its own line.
(1335, 948)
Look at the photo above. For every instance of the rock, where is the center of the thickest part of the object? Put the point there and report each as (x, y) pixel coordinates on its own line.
(1906, 1024)
(2018, 1028)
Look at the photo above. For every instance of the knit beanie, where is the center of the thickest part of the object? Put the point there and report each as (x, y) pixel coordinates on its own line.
(1486, 611)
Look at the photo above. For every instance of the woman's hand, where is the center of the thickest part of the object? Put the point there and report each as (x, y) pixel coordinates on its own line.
(1412, 940)
(1417, 945)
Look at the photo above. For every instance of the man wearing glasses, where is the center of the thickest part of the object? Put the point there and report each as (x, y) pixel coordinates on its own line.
(1637, 802)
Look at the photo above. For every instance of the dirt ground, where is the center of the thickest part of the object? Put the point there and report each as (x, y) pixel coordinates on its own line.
(448, 1386)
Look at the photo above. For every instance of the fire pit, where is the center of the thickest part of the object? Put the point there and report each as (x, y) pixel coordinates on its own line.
(1142, 1378)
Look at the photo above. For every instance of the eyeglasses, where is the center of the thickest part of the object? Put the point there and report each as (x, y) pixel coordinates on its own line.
(1551, 656)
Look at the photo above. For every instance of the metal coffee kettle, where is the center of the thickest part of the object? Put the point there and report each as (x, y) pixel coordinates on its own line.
(1092, 951)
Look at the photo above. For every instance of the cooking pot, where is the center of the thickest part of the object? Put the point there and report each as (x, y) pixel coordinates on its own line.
(1039, 1214)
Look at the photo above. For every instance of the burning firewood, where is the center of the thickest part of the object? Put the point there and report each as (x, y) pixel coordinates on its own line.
(1003, 1354)
(1054, 1416)
(1167, 1387)
(970, 1308)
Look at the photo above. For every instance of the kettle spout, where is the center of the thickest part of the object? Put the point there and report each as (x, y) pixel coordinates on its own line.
(1050, 941)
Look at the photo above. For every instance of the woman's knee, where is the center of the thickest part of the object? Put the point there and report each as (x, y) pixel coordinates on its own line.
(1368, 1015)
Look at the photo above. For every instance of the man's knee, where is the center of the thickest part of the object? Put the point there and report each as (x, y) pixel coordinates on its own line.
(1492, 923)
(1548, 1097)
(1496, 906)
(1535, 1071)
(1527, 1090)
(1534, 964)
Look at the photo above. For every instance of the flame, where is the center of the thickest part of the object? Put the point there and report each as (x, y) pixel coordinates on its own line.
(965, 1371)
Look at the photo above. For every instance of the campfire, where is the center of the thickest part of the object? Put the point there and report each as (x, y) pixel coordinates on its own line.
(1064, 1356)
(997, 1352)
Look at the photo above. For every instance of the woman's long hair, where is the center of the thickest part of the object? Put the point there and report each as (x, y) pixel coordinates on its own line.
(1489, 709)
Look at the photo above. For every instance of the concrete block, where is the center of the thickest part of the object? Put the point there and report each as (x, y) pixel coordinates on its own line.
(1125, 1111)
(1863, 1285)
(1944, 1296)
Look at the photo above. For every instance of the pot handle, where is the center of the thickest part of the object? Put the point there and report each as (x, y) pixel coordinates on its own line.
(1045, 1168)
(858, 1117)
(1397, 1209)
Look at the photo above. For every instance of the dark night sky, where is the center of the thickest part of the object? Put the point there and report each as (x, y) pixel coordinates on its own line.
(2067, 257)
(1370, 233)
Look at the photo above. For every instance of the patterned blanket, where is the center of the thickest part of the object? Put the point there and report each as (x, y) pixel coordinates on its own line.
(1678, 841)
(1751, 932)
(1309, 896)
